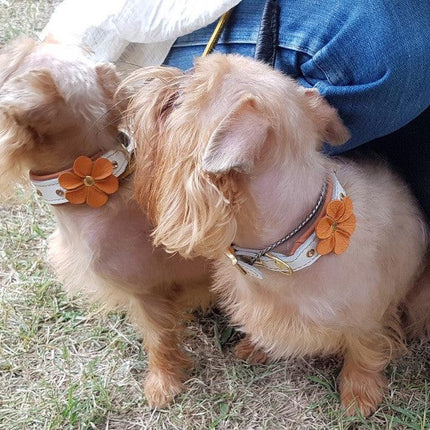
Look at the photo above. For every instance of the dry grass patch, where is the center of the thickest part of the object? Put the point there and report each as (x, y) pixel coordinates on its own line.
(24, 17)
(65, 364)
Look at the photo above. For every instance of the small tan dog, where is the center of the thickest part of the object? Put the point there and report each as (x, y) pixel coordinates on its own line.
(230, 155)
(56, 106)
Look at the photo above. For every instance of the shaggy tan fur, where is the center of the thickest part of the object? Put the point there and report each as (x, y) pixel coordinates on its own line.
(56, 104)
(229, 153)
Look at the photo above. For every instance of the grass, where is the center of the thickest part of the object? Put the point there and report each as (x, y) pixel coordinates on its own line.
(24, 17)
(65, 364)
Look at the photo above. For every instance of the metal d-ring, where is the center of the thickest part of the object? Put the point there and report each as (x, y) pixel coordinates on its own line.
(230, 253)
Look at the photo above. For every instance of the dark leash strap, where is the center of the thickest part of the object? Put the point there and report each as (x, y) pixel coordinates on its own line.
(268, 35)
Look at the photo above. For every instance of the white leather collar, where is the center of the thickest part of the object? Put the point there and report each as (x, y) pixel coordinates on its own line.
(53, 192)
(305, 255)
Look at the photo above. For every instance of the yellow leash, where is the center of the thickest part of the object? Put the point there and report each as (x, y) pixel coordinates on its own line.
(209, 48)
(217, 33)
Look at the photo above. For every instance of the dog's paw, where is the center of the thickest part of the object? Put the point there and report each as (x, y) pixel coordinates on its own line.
(362, 395)
(245, 350)
(160, 389)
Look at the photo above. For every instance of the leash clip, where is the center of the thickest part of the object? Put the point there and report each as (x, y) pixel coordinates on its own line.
(230, 253)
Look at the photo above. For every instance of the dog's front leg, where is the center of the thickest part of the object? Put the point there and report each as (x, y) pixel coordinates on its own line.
(362, 381)
(246, 350)
(163, 331)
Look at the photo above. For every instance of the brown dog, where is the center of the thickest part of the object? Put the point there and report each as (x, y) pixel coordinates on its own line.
(55, 106)
(230, 155)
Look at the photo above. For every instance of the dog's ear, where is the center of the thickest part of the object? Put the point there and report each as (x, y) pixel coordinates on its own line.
(108, 79)
(31, 99)
(26, 102)
(148, 95)
(237, 140)
(12, 55)
(329, 124)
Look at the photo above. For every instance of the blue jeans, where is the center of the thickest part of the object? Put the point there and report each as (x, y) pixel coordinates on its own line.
(369, 58)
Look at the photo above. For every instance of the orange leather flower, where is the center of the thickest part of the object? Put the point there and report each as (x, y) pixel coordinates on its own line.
(89, 182)
(335, 229)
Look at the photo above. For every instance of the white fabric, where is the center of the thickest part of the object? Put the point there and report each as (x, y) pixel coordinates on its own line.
(53, 192)
(305, 255)
(108, 27)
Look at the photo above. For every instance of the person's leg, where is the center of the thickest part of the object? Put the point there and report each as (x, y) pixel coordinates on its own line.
(408, 151)
(370, 59)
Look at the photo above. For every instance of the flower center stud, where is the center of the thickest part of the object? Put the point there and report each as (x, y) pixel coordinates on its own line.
(89, 181)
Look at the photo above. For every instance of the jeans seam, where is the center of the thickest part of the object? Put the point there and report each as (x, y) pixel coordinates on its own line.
(320, 67)
(221, 42)
(296, 48)
(245, 42)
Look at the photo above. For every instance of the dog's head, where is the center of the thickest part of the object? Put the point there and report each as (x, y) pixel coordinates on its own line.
(203, 135)
(55, 104)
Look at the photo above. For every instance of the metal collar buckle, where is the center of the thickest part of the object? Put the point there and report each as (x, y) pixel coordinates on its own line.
(281, 265)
